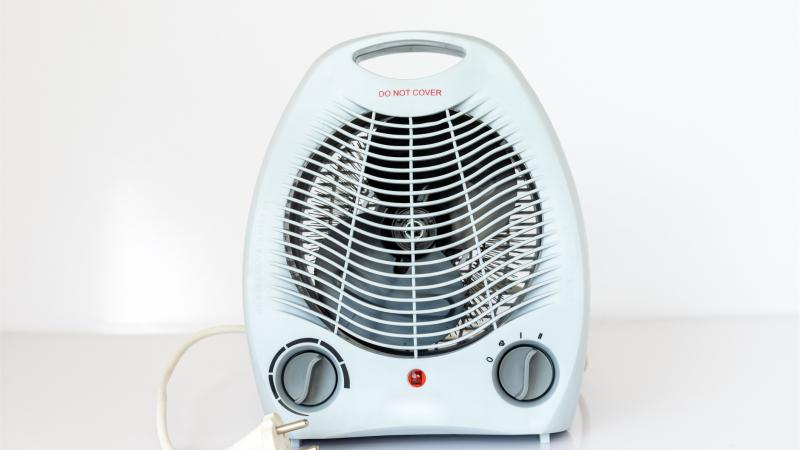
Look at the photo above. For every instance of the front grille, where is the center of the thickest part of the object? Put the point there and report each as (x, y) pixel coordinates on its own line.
(415, 235)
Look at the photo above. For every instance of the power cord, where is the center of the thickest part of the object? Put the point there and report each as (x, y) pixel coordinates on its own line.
(270, 434)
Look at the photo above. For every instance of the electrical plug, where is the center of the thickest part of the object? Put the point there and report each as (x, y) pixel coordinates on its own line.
(271, 434)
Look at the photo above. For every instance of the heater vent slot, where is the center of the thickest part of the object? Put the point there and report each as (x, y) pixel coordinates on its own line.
(415, 235)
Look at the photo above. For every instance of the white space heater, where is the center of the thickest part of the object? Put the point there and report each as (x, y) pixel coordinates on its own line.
(415, 259)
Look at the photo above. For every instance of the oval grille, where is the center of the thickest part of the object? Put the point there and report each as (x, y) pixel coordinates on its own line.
(413, 236)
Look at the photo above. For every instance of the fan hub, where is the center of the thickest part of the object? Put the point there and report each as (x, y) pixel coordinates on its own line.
(414, 229)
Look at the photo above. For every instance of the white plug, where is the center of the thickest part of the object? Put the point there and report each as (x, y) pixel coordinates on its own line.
(271, 434)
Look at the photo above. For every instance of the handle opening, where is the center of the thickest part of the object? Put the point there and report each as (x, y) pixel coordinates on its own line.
(409, 59)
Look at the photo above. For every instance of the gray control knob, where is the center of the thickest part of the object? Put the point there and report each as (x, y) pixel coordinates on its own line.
(309, 378)
(525, 373)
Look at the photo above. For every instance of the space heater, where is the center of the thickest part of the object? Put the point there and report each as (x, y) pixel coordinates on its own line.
(415, 259)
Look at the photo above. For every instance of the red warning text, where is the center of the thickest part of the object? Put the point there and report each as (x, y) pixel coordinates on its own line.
(410, 92)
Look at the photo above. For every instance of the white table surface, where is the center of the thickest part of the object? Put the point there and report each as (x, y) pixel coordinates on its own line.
(672, 384)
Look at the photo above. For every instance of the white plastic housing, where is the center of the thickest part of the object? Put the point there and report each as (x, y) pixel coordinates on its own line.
(460, 395)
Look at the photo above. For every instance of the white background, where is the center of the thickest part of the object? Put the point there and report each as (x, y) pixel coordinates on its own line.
(132, 133)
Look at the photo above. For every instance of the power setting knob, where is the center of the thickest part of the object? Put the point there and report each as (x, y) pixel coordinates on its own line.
(309, 378)
(525, 373)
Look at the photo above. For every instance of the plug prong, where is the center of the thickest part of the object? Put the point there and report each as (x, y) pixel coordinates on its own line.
(291, 426)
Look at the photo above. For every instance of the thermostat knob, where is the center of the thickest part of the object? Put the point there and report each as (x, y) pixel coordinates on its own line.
(525, 373)
(309, 378)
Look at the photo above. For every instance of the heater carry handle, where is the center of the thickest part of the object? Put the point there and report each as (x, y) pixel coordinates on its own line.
(408, 46)
(469, 49)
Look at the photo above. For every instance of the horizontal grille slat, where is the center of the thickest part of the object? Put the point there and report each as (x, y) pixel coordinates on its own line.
(538, 298)
(322, 214)
(405, 148)
(361, 199)
(505, 203)
(404, 124)
(489, 153)
(369, 246)
(452, 258)
(477, 174)
(469, 321)
(494, 255)
(419, 287)
(474, 134)
(472, 120)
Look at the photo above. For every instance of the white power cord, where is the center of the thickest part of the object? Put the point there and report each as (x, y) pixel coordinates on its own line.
(269, 435)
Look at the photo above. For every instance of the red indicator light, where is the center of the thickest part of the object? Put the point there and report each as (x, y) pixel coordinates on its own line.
(416, 378)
